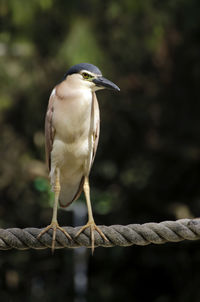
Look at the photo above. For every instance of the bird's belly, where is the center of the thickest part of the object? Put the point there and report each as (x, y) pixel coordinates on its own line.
(70, 158)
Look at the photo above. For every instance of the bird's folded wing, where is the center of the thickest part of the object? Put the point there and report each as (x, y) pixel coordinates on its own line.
(49, 131)
(96, 127)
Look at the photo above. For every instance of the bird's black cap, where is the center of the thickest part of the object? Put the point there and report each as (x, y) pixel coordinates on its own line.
(83, 66)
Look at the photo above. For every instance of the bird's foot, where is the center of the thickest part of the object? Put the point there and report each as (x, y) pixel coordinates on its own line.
(93, 227)
(54, 226)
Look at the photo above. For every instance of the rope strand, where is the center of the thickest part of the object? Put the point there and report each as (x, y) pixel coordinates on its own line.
(118, 235)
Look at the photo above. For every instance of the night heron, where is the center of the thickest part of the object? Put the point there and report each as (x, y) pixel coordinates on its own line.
(72, 134)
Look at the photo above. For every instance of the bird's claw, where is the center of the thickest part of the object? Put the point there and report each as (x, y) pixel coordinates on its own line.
(54, 226)
(93, 227)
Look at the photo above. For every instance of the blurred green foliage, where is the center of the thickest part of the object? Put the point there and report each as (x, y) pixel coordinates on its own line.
(148, 161)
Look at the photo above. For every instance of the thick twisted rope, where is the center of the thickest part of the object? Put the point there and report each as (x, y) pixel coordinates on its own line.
(118, 235)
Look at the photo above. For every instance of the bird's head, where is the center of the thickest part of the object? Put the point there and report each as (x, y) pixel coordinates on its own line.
(88, 76)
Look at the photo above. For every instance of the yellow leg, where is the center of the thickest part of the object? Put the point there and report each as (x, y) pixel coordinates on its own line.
(90, 224)
(54, 223)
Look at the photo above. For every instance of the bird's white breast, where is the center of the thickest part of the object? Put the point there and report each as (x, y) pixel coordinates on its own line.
(71, 121)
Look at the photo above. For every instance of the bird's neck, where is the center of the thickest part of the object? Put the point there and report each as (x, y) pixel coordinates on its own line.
(67, 91)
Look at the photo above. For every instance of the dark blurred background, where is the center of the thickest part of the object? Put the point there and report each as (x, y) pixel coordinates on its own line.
(147, 166)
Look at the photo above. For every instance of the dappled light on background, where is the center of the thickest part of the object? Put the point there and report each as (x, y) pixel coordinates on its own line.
(147, 166)
(81, 44)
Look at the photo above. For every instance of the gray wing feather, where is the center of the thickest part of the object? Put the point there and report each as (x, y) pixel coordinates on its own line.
(96, 130)
(49, 131)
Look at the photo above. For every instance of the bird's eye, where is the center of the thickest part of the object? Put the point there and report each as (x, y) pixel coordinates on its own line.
(86, 75)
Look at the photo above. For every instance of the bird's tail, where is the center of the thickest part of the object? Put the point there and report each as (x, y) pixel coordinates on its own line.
(70, 192)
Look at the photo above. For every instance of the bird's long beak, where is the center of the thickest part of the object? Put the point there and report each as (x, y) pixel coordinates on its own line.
(104, 83)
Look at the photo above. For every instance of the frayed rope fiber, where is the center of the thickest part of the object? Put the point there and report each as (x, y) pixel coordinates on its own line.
(118, 235)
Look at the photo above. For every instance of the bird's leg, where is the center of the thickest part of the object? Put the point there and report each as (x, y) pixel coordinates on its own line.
(54, 223)
(90, 224)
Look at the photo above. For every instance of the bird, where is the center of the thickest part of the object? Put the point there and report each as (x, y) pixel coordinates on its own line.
(72, 127)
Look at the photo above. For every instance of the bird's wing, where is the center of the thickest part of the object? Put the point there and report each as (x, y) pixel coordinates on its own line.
(94, 133)
(49, 131)
(95, 129)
